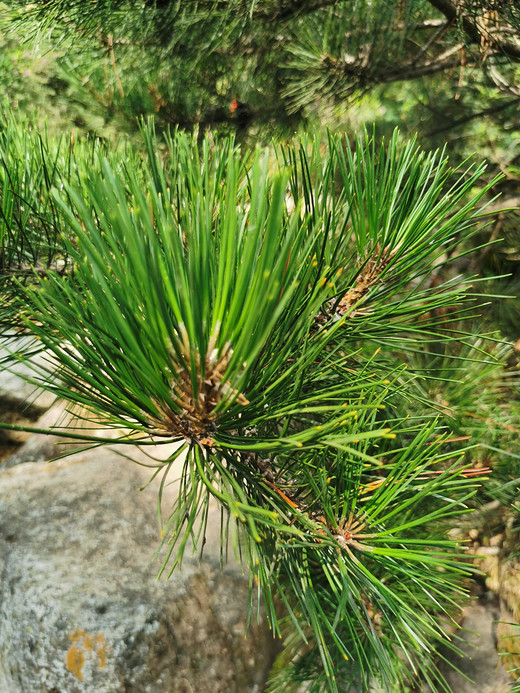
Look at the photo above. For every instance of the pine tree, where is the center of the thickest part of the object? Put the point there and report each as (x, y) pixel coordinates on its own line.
(281, 61)
(298, 321)
(248, 306)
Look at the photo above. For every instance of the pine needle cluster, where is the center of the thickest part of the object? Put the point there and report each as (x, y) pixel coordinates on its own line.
(249, 306)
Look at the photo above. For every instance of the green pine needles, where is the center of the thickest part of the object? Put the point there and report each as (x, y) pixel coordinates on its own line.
(31, 225)
(245, 306)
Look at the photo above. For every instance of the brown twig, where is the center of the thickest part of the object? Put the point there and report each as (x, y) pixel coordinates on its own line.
(110, 44)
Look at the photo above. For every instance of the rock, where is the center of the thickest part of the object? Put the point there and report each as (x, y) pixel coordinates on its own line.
(480, 669)
(508, 629)
(16, 394)
(510, 586)
(80, 607)
(508, 639)
(40, 447)
(20, 402)
(503, 577)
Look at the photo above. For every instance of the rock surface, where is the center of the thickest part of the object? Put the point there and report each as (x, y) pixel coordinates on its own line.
(80, 607)
(81, 610)
(15, 391)
(480, 670)
(36, 447)
(20, 402)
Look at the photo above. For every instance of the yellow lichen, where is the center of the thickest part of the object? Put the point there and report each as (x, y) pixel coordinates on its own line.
(88, 642)
(76, 635)
(75, 662)
(94, 645)
(101, 650)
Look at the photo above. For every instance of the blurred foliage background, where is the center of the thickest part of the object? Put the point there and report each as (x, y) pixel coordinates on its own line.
(448, 70)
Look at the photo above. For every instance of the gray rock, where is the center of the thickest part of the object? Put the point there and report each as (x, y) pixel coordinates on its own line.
(15, 392)
(40, 447)
(20, 402)
(480, 670)
(80, 607)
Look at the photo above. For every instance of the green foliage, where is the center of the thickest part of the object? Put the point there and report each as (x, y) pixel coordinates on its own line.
(281, 61)
(31, 225)
(290, 318)
(472, 389)
(31, 83)
(230, 301)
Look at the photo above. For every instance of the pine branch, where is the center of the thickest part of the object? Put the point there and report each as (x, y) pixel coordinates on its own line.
(454, 14)
(408, 72)
(194, 314)
(492, 39)
(289, 9)
(473, 116)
